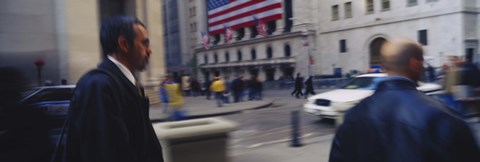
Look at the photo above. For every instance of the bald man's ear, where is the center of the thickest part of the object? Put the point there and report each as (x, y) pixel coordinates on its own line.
(122, 44)
(415, 69)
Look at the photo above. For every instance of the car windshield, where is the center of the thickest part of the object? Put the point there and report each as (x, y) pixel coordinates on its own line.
(360, 83)
(28, 92)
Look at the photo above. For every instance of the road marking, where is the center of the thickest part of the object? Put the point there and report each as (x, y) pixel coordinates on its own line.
(276, 141)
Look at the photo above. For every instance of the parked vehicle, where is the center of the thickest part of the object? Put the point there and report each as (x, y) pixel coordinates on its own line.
(333, 103)
(53, 100)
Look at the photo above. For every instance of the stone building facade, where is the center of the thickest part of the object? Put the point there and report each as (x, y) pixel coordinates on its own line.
(64, 33)
(351, 31)
(281, 54)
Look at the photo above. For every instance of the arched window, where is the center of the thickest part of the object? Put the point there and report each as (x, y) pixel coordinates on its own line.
(269, 52)
(215, 58)
(239, 55)
(272, 26)
(375, 46)
(227, 57)
(287, 50)
(254, 54)
(240, 33)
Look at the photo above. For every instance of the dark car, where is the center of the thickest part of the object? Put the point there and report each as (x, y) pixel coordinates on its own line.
(53, 100)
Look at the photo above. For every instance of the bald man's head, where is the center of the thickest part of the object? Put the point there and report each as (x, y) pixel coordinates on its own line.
(403, 57)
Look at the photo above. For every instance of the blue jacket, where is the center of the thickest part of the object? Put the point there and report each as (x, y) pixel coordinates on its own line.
(400, 124)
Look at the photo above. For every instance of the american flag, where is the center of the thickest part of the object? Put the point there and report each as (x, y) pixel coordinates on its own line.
(238, 13)
(261, 27)
(205, 40)
(228, 34)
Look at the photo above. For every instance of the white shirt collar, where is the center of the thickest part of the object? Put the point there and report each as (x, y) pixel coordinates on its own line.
(123, 69)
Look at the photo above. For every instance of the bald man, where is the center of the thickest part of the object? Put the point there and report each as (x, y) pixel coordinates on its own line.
(399, 123)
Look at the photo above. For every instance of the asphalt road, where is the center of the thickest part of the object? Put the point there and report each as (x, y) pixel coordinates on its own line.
(273, 124)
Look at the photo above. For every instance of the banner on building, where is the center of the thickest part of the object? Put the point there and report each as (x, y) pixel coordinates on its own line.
(205, 40)
(261, 27)
(228, 34)
(238, 13)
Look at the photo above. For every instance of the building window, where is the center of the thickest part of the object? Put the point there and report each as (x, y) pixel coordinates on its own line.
(423, 37)
(240, 33)
(369, 6)
(343, 46)
(253, 31)
(194, 29)
(194, 11)
(287, 50)
(215, 58)
(239, 55)
(412, 2)
(253, 54)
(469, 52)
(216, 39)
(271, 27)
(335, 15)
(205, 59)
(227, 57)
(348, 10)
(385, 5)
(269, 53)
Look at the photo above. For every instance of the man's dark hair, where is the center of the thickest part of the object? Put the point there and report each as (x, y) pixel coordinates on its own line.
(115, 27)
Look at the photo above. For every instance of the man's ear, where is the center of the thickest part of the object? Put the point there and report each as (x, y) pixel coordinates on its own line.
(414, 63)
(122, 44)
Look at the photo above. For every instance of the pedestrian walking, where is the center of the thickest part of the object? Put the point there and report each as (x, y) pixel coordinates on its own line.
(309, 87)
(400, 123)
(196, 87)
(175, 98)
(108, 118)
(218, 88)
(186, 87)
(163, 95)
(430, 73)
(466, 91)
(237, 87)
(207, 91)
(258, 88)
(298, 86)
(251, 88)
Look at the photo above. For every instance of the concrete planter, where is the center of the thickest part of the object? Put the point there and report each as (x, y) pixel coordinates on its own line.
(197, 140)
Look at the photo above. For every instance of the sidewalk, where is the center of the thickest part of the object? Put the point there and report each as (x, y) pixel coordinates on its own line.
(313, 149)
(197, 107)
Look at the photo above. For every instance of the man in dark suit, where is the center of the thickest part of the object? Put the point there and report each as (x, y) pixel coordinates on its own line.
(399, 123)
(108, 118)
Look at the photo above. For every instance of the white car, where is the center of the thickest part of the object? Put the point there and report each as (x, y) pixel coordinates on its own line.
(333, 103)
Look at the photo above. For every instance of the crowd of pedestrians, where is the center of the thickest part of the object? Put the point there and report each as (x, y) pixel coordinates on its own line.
(238, 90)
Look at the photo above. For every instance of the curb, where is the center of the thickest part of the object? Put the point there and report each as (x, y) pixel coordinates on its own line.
(219, 114)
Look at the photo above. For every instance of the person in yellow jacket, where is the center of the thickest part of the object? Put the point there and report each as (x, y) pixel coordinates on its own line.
(173, 97)
(218, 87)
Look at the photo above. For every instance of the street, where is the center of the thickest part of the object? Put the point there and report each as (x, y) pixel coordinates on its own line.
(264, 134)
(269, 129)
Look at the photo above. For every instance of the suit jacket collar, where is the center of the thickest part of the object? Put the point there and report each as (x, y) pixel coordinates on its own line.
(112, 68)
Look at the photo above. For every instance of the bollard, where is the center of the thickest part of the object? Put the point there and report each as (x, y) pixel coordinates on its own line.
(295, 129)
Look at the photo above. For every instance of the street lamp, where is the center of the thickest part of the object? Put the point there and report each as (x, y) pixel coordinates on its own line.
(39, 63)
(306, 44)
